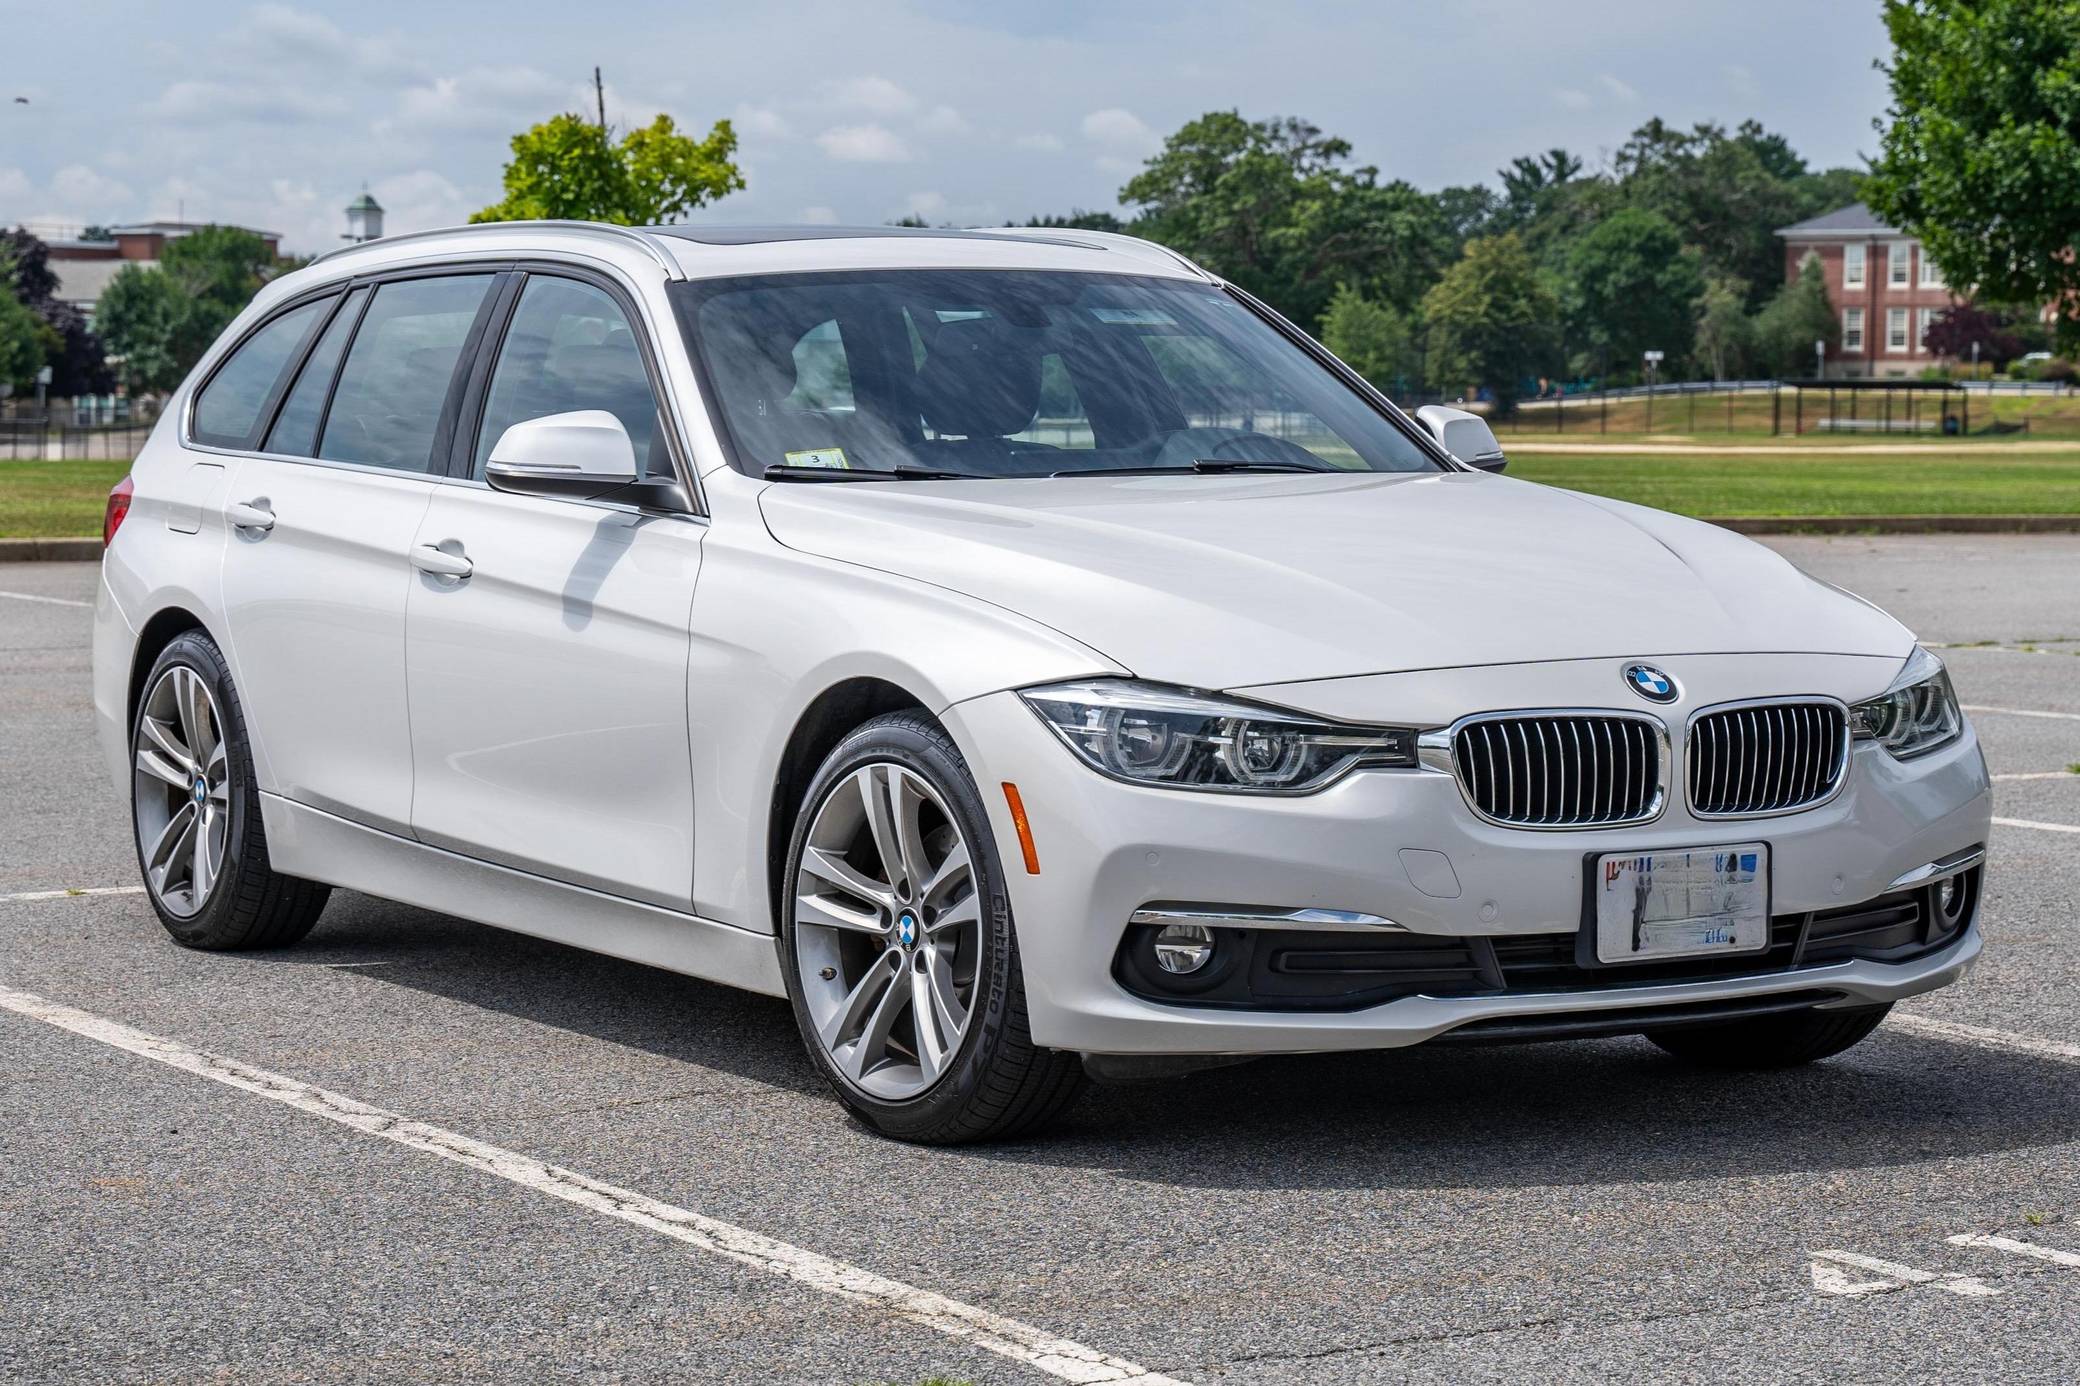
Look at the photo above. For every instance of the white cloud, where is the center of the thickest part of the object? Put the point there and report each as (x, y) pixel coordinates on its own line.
(76, 185)
(943, 120)
(874, 95)
(484, 99)
(15, 186)
(1039, 144)
(1740, 79)
(819, 216)
(1120, 130)
(219, 103)
(761, 121)
(864, 144)
(1571, 98)
(1616, 88)
(418, 200)
(926, 204)
(280, 33)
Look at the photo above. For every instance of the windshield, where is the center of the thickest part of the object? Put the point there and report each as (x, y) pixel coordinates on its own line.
(1005, 373)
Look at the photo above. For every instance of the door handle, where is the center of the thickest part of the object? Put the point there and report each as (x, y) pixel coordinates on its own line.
(252, 514)
(438, 561)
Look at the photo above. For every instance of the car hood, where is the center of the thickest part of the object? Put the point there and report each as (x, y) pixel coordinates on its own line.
(1228, 581)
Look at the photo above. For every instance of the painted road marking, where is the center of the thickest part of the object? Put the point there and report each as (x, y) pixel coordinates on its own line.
(2069, 1259)
(2040, 827)
(1831, 1276)
(1021, 1342)
(2022, 712)
(53, 601)
(70, 894)
(2041, 775)
(2005, 1040)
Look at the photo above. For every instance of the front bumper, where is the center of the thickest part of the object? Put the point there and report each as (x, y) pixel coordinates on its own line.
(1106, 849)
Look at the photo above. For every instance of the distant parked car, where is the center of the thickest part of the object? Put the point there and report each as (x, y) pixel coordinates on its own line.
(1023, 652)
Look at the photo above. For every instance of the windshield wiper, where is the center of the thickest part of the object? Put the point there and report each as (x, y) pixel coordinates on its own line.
(1205, 466)
(788, 471)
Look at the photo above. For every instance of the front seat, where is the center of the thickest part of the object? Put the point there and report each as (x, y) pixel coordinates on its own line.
(980, 382)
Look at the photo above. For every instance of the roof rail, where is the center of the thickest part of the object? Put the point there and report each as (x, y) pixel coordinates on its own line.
(643, 240)
(1137, 246)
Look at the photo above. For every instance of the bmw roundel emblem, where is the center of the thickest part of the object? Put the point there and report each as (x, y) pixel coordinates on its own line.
(906, 929)
(1651, 683)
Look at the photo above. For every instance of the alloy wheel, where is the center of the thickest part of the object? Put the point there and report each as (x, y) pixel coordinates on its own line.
(182, 791)
(888, 930)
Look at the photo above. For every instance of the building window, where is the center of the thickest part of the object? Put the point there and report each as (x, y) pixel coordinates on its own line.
(1931, 277)
(1896, 264)
(1852, 266)
(1852, 329)
(1896, 330)
(1928, 320)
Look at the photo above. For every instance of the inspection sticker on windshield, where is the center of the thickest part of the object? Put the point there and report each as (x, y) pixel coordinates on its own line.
(1683, 903)
(818, 457)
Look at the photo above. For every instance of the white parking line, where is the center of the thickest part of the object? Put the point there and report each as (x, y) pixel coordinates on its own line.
(70, 894)
(2040, 827)
(2070, 1260)
(1021, 1342)
(2006, 1040)
(2040, 775)
(1831, 1278)
(2023, 712)
(53, 601)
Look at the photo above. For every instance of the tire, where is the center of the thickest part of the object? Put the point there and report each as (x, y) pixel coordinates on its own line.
(1771, 1041)
(189, 699)
(991, 1082)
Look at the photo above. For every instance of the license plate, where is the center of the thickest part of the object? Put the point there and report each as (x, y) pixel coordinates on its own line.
(1682, 904)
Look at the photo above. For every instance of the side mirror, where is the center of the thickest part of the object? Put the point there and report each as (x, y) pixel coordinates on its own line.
(1463, 435)
(584, 453)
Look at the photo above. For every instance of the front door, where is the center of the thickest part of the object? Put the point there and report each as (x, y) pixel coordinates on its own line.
(548, 683)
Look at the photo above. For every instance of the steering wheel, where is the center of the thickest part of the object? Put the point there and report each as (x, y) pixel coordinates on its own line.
(1188, 445)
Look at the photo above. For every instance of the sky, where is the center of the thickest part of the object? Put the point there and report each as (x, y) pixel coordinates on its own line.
(276, 115)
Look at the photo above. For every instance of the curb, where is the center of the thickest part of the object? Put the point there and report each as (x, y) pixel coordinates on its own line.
(1897, 524)
(86, 550)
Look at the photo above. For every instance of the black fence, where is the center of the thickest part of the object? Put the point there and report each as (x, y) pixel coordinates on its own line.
(43, 440)
(1787, 407)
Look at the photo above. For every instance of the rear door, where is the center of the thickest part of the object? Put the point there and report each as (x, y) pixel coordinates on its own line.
(548, 686)
(322, 512)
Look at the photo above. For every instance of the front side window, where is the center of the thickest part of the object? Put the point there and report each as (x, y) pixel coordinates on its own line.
(295, 431)
(570, 347)
(228, 408)
(386, 408)
(1005, 373)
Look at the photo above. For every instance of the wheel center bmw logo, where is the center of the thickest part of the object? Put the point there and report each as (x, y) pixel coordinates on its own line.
(200, 792)
(906, 929)
(1651, 683)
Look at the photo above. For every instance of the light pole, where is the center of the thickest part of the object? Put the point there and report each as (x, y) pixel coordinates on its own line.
(1820, 357)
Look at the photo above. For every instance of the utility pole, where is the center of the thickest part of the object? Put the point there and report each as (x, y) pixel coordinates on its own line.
(599, 92)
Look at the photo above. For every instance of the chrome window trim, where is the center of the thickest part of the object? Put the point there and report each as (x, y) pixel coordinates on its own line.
(1435, 751)
(1840, 767)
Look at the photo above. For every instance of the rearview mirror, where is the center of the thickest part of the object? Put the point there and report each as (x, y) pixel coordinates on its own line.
(584, 453)
(1465, 436)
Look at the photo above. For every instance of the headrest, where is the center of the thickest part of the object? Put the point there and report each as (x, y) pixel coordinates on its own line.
(980, 379)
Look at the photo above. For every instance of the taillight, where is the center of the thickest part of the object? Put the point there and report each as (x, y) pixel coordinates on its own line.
(118, 507)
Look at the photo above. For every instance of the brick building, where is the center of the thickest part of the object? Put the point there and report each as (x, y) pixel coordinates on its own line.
(1886, 291)
(84, 267)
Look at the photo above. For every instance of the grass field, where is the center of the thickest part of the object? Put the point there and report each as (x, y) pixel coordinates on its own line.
(45, 500)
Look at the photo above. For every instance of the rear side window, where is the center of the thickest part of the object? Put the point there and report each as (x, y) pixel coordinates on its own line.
(571, 347)
(229, 406)
(386, 409)
(295, 431)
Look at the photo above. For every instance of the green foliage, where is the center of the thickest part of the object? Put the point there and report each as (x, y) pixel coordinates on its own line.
(141, 316)
(161, 320)
(23, 349)
(1630, 287)
(1275, 206)
(1725, 336)
(1796, 317)
(568, 168)
(1982, 156)
(1080, 220)
(1492, 321)
(1374, 339)
(72, 351)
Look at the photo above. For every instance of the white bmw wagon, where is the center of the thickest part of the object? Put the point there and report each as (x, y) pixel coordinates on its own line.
(1026, 653)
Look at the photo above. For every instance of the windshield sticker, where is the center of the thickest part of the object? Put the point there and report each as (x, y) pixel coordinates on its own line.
(1134, 317)
(818, 457)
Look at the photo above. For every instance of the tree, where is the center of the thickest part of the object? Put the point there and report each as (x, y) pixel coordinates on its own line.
(1275, 206)
(1726, 193)
(1725, 334)
(1981, 159)
(1080, 220)
(141, 314)
(76, 363)
(1957, 330)
(570, 169)
(1491, 320)
(216, 270)
(1796, 317)
(21, 342)
(1630, 286)
(1373, 339)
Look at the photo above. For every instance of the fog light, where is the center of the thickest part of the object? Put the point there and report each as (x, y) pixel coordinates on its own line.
(1183, 948)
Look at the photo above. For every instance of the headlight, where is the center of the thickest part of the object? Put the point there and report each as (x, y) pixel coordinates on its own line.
(1916, 715)
(1149, 733)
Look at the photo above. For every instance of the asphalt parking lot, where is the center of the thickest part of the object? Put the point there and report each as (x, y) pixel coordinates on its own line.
(1575, 1211)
